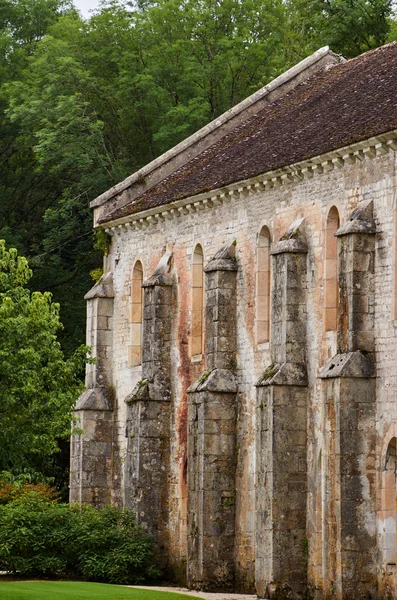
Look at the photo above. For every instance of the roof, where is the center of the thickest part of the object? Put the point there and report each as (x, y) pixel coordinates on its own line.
(338, 106)
(174, 158)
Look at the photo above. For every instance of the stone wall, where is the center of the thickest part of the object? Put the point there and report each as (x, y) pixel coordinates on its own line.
(328, 403)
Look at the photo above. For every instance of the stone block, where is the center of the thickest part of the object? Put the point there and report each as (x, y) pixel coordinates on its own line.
(226, 280)
(94, 448)
(105, 308)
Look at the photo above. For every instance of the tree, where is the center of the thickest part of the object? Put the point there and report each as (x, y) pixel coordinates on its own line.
(38, 387)
(57, 165)
(349, 27)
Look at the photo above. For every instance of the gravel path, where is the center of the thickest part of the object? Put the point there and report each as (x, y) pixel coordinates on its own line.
(196, 594)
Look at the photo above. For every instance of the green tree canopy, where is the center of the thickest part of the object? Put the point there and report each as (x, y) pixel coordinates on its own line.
(38, 387)
(84, 103)
(349, 27)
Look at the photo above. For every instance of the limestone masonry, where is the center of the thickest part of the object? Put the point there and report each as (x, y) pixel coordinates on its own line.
(244, 395)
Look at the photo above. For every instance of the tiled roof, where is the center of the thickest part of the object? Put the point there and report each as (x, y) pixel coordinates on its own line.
(346, 103)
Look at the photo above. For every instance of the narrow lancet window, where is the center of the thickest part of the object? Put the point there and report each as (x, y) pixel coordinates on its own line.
(263, 287)
(389, 500)
(331, 271)
(136, 315)
(197, 302)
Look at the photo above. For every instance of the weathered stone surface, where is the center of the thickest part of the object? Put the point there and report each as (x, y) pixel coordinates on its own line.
(212, 437)
(92, 455)
(161, 275)
(99, 398)
(281, 435)
(349, 544)
(148, 410)
(349, 535)
(294, 240)
(360, 221)
(356, 320)
(217, 380)
(288, 319)
(351, 364)
(223, 260)
(285, 374)
(140, 392)
(102, 289)
(89, 481)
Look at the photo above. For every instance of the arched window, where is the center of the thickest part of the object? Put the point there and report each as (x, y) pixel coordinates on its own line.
(389, 498)
(263, 287)
(331, 272)
(135, 357)
(197, 302)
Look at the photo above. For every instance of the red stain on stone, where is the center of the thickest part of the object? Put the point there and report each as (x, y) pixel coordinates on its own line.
(187, 371)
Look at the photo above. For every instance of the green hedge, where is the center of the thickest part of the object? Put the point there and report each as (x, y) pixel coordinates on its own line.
(40, 538)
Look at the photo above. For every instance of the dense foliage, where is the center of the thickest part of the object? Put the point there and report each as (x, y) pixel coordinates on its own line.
(83, 103)
(38, 387)
(12, 487)
(39, 538)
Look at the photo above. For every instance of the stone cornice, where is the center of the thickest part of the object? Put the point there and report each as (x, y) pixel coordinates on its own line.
(324, 163)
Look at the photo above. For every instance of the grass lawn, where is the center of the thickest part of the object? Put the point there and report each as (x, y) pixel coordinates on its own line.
(71, 590)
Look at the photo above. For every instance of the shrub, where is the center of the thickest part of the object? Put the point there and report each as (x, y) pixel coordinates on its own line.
(42, 538)
(12, 488)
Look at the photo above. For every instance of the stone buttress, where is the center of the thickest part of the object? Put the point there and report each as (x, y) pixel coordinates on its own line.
(349, 536)
(91, 468)
(212, 417)
(282, 397)
(147, 464)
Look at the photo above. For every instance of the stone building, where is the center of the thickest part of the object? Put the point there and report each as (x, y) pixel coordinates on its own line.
(244, 398)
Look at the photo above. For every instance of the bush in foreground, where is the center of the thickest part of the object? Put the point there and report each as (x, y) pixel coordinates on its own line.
(12, 487)
(45, 539)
